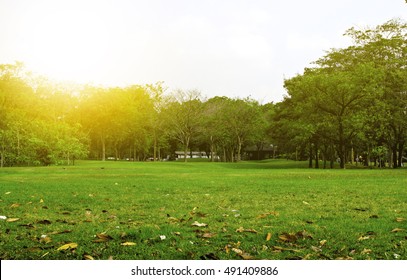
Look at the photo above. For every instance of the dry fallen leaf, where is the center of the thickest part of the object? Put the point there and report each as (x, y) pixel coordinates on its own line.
(278, 248)
(197, 224)
(363, 237)
(322, 242)
(397, 230)
(102, 237)
(11, 220)
(128, 244)
(264, 215)
(208, 235)
(316, 249)
(287, 237)
(268, 237)
(15, 205)
(366, 251)
(88, 257)
(68, 246)
(241, 229)
(400, 220)
(45, 239)
(44, 222)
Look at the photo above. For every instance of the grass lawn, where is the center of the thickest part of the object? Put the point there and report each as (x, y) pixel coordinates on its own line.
(172, 210)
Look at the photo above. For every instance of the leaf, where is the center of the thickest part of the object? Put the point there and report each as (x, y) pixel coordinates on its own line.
(11, 220)
(306, 203)
(363, 237)
(265, 215)
(197, 224)
(44, 222)
(316, 249)
(102, 237)
(366, 251)
(278, 248)
(15, 205)
(41, 200)
(208, 235)
(397, 230)
(399, 220)
(128, 244)
(268, 237)
(241, 229)
(287, 237)
(163, 237)
(88, 257)
(322, 242)
(68, 246)
(45, 239)
(173, 220)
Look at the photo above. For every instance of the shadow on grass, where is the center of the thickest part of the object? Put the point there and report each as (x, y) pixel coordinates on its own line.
(268, 164)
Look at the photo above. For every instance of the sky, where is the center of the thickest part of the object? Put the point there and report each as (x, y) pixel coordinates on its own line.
(234, 48)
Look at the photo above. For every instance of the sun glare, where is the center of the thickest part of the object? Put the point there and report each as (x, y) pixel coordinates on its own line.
(68, 44)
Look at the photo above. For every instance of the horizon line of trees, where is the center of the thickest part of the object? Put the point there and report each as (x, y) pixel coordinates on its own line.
(351, 106)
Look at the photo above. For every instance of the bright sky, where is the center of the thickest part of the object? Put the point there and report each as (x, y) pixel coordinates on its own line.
(235, 48)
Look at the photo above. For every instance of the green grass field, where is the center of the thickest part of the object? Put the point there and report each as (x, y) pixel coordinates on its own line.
(171, 210)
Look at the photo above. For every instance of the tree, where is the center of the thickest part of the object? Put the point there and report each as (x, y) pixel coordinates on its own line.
(183, 115)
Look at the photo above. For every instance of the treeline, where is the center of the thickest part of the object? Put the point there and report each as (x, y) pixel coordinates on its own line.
(352, 106)
(42, 123)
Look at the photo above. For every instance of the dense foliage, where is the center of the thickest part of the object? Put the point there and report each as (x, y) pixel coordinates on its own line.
(352, 106)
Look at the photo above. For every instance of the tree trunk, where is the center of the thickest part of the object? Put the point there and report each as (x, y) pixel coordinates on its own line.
(400, 154)
(155, 147)
(103, 142)
(239, 148)
(341, 148)
(310, 155)
(2, 158)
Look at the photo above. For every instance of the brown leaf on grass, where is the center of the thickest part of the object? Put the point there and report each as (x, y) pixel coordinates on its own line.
(242, 254)
(30, 226)
(14, 205)
(316, 249)
(397, 230)
(287, 237)
(399, 220)
(60, 232)
(12, 220)
(241, 229)
(278, 248)
(68, 246)
(265, 215)
(197, 224)
(209, 234)
(366, 251)
(322, 242)
(173, 220)
(304, 235)
(268, 237)
(45, 239)
(44, 222)
(102, 237)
